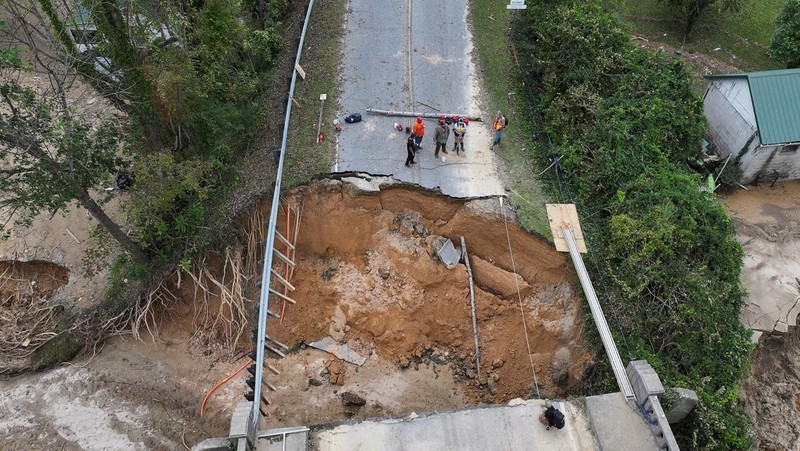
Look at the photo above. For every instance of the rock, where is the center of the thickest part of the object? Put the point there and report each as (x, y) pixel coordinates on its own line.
(336, 372)
(315, 382)
(516, 402)
(404, 363)
(498, 363)
(352, 399)
(491, 384)
(413, 416)
(384, 273)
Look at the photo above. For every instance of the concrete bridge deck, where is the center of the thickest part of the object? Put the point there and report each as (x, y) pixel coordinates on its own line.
(605, 422)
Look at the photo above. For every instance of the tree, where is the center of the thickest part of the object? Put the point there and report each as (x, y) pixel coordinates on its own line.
(692, 9)
(51, 157)
(785, 45)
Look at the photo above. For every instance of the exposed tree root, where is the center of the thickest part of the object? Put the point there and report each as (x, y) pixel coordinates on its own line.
(26, 321)
(220, 304)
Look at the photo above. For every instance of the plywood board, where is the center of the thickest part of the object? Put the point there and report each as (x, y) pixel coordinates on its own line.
(565, 216)
(300, 71)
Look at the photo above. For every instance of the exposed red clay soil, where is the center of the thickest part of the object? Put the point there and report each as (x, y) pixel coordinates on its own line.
(367, 276)
(31, 280)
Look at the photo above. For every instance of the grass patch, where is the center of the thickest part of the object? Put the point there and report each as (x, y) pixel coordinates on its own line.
(322, 51)
(489, 20)
(742, 38)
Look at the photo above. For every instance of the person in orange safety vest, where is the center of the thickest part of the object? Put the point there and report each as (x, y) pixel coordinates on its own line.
(419, 131)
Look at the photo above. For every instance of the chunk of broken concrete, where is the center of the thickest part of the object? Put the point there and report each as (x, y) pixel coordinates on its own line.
(683, 404)
(341, 351)
(448, 254)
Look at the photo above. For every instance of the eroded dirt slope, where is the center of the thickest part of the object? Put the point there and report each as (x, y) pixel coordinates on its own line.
(367, 276)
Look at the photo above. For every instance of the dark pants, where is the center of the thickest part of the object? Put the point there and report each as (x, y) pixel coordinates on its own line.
(418, 141)
(409, 159)
(442, 147)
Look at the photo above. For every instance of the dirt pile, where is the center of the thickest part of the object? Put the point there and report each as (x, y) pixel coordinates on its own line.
(772, 393)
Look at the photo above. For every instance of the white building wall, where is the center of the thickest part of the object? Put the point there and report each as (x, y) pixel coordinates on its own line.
(729, 110)
(731, 124)
(765, 163)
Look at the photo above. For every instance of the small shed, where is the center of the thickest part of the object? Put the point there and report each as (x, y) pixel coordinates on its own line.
(754, 120)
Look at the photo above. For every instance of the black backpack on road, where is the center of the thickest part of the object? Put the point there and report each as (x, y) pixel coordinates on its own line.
(554, 417)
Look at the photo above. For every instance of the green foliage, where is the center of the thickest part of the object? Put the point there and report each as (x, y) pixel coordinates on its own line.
(203, 88)
(673, 256)
(625, 121)
(785, 45)
(167, 204)
(692, 9)
(99, 247)
(50, 155)
(9, 57)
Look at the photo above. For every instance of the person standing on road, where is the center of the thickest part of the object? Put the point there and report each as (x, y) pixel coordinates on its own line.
(411, 148)
(459, 130)
(440, 136)
(498, 126)
(419, 131)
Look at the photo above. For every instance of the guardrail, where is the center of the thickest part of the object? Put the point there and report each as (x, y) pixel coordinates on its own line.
(270, 241)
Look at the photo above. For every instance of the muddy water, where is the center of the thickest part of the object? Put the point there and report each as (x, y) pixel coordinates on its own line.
(766, 221)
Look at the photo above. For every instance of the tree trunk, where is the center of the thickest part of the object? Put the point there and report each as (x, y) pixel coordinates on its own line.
(124, 240)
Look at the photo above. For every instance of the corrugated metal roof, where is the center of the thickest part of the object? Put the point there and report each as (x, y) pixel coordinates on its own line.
(776, 102)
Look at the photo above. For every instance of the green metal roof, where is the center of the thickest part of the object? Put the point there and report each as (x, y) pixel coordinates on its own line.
(776, 102)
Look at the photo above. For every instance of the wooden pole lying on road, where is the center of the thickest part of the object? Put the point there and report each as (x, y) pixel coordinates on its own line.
(425, 115)
(472, 303)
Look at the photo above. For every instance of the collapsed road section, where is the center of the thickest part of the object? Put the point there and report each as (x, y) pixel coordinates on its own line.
(369, 280)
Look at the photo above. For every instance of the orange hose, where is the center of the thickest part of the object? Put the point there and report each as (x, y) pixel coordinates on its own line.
(221, 383)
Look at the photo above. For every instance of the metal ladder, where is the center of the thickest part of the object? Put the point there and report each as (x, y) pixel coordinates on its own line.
(279, 285)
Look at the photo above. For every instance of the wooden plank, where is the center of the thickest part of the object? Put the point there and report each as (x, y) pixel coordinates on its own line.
(565, 216)
(300, 71)
(282, 296)
(282, 280)
(283, 258)
(283, 240)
